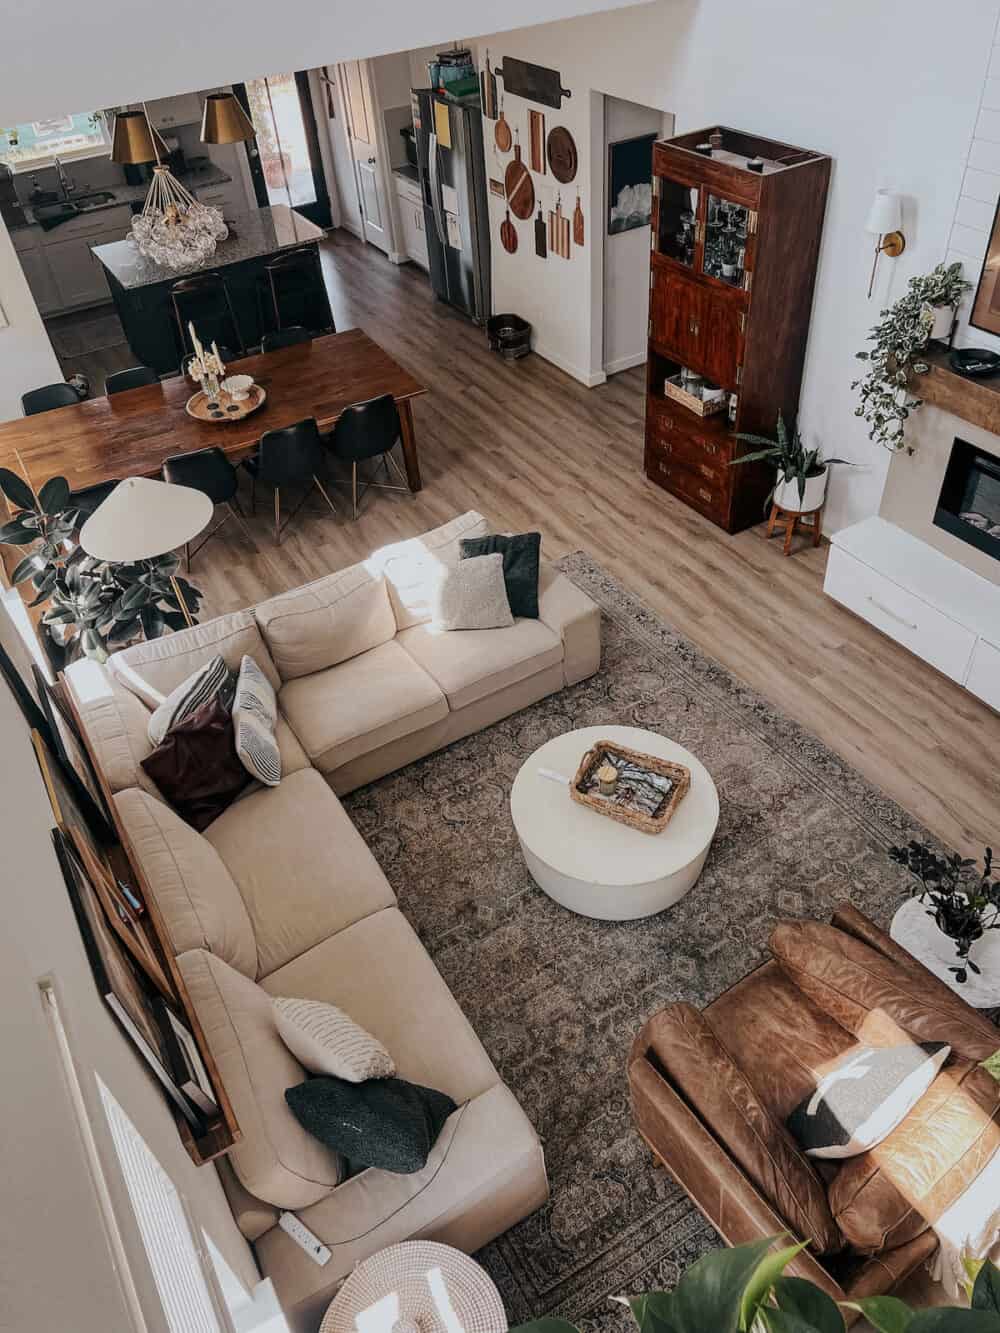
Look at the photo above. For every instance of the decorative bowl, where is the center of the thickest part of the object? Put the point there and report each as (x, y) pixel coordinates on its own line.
(238, 387)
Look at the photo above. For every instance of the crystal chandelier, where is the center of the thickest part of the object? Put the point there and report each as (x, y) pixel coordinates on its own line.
(173, 229)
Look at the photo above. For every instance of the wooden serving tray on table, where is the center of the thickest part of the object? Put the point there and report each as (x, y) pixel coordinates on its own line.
(648, 792)
(224, 408)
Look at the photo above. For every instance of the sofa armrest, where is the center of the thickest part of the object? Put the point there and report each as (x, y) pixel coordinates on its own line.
(571, 614)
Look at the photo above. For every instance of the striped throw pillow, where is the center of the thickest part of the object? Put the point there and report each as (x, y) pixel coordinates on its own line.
(325, 1040)
(255, 712)
(214, 678)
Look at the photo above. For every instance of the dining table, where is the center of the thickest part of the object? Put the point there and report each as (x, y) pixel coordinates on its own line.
(131, 433)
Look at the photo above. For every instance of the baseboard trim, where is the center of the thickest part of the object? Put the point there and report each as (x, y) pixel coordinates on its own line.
(625, 363)
(591, 379)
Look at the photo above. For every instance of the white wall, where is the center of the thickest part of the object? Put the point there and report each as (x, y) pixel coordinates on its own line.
(872, 85)
(27, 360)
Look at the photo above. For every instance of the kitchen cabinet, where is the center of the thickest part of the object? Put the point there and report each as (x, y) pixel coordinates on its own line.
(40, 280)
(411, 217)
(77, 276)
(230, 197)
(167, 112)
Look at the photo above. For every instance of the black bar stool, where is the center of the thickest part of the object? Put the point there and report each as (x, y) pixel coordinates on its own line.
(208, 471)
(368, 430)
(298, 292)
(204, 300)
(48, 397)
(136, 377)
(86, 500)
(289, 337)
(293, 456)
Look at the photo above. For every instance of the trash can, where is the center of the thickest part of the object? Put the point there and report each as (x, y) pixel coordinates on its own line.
(510, 335)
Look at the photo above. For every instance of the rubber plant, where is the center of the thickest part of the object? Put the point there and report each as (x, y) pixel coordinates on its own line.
(745, 1288)
(93, 606)
(901, 334)
(792, 460)
(963, 900)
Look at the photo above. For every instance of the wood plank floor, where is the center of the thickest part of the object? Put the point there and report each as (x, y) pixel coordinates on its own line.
(531, 448)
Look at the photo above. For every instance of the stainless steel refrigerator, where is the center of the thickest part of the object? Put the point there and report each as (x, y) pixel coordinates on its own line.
(452, 166)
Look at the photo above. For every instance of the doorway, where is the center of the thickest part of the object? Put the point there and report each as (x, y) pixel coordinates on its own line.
(285, 162)
(361, 128)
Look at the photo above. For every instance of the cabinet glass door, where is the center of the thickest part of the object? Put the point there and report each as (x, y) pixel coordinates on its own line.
(727, 237)
(677, 221)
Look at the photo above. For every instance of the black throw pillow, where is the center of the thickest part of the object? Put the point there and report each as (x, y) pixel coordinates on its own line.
(520, 567)
(383, 1122)
(864, 1097)
(196, 766)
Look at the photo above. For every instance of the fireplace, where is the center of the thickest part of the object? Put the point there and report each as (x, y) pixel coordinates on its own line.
(969, 505)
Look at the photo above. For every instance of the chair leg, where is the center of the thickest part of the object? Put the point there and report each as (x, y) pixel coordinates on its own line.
(391, 463)
(354, 490)
(187, 557)
(234, 512)
(277, 516)
(322, 491)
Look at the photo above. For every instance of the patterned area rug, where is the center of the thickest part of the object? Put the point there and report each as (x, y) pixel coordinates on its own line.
(557, 998)
(89, 335)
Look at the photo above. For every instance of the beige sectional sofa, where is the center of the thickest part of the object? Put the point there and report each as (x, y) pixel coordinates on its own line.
(281, 896)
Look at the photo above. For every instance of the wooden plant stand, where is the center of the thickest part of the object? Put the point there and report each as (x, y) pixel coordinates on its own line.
(790, 519)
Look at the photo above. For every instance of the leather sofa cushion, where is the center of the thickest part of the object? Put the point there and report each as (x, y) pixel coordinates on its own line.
(892, 1193)
(684, 1044)
(411, 568)
(360, 705)
(198, 899)
(472, 664)
(848, 980)
(302, 869)
(276, 1159)
(326, 622)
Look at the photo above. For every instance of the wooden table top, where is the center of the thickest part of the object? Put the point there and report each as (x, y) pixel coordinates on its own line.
(131, 433)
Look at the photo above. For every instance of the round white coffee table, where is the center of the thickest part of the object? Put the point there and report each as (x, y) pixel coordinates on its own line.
(594, 865)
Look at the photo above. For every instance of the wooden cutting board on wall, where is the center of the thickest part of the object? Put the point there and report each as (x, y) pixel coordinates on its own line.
(536, 129)
(559, 232)
(578, 224)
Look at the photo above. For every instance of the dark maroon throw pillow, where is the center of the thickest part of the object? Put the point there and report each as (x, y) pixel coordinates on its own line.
(196, 766)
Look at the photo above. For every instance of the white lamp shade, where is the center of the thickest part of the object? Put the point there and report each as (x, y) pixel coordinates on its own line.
(142, 518)
(886, 214)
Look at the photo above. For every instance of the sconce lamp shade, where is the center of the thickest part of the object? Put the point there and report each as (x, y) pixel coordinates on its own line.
(133, 139)
(224, 120)
(143, 518)
(886, 214)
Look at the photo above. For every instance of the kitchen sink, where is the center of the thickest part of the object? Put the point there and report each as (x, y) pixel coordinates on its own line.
(50, 215)
(98, 199)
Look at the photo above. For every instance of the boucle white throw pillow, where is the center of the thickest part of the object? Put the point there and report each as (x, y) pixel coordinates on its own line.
(202, 685)
(325, 1040)
(472, 595)
(255, 712)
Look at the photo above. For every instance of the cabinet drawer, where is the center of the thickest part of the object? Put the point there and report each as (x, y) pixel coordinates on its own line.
(701, 492)
(984, 674)
(900, 614)
(686, 443)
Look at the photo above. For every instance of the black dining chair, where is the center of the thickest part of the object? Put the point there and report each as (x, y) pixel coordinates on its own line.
(298, 295)
(289, 337)
(208, 471)
(293, 456)
(48, 397)
(369, 430)
(204, 301)
(87, 499)
(136, 377)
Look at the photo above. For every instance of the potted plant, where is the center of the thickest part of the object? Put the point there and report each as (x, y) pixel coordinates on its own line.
(800, 487)
(964, 904)
(744, 1288)
(91, 606)
(926, 310)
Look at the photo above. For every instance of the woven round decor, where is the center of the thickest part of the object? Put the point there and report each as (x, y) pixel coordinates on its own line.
(403, 1269)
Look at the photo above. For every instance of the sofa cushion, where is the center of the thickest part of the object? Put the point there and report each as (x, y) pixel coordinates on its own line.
(684, 1044)
(479, 662)
(520, 566)
(361, 704)
(378, 972)
(892, 1193)
(154, 667)
(303, 869)
(472, 595)
(197, 897)
(848, 980)
(115, 722)
(276, 1159)
(325, 1040)
(413, 567)
(197, 767)
(204, 683)
(326, 622)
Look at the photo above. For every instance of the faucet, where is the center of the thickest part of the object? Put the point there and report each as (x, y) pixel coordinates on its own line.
(66, 183)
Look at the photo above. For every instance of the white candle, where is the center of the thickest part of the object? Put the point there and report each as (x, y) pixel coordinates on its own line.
(195, 342)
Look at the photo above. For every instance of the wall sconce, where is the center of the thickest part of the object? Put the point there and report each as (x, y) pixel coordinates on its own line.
(884, 222)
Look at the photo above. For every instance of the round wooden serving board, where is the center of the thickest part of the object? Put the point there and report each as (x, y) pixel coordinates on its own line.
(520, 187)
(562, 154)
(225, 409)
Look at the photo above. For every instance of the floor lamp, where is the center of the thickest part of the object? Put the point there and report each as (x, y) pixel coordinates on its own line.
(142, 519)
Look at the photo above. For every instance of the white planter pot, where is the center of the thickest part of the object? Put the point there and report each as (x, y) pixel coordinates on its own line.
(917, 932)
(786, 493)
(943, 317)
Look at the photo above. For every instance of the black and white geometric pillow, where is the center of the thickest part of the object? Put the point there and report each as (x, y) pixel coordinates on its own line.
(255, 711)
(214, 678)
(864, 1097)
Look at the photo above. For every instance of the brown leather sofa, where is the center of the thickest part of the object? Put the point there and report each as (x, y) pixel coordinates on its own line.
(711, 1090)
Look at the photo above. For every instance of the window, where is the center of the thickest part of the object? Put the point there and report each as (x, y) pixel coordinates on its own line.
(40, 142)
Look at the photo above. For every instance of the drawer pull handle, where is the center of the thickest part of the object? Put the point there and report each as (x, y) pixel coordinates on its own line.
(705, 495)
(891, 614)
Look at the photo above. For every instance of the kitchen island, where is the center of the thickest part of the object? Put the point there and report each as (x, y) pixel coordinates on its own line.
(141, 288)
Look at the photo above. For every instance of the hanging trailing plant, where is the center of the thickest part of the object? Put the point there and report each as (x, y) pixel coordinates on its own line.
(902, 332)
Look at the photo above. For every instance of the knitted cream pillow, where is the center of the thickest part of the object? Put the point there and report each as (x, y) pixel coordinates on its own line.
(325, 1040)
(472, 595)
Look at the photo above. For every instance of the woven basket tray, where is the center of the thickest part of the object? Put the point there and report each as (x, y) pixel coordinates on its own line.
(635, 812)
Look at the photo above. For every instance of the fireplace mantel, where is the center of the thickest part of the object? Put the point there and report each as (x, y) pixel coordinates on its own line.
(975, 400)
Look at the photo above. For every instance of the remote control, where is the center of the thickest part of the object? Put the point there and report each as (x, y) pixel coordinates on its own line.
(304, 1238)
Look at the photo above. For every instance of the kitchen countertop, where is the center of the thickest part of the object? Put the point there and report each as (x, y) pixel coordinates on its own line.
(264, 231)
(197, 178)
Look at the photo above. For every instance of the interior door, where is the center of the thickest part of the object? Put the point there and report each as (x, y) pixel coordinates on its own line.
(359, 105)
(285, 161)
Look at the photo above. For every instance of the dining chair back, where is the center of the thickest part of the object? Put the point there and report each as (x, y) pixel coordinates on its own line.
(290, 337)
(208, 471)
(204, 300)
(292, 456)
(86, 500)
(136, 377)
(369, 430)
(46, 398)
(298, 294)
